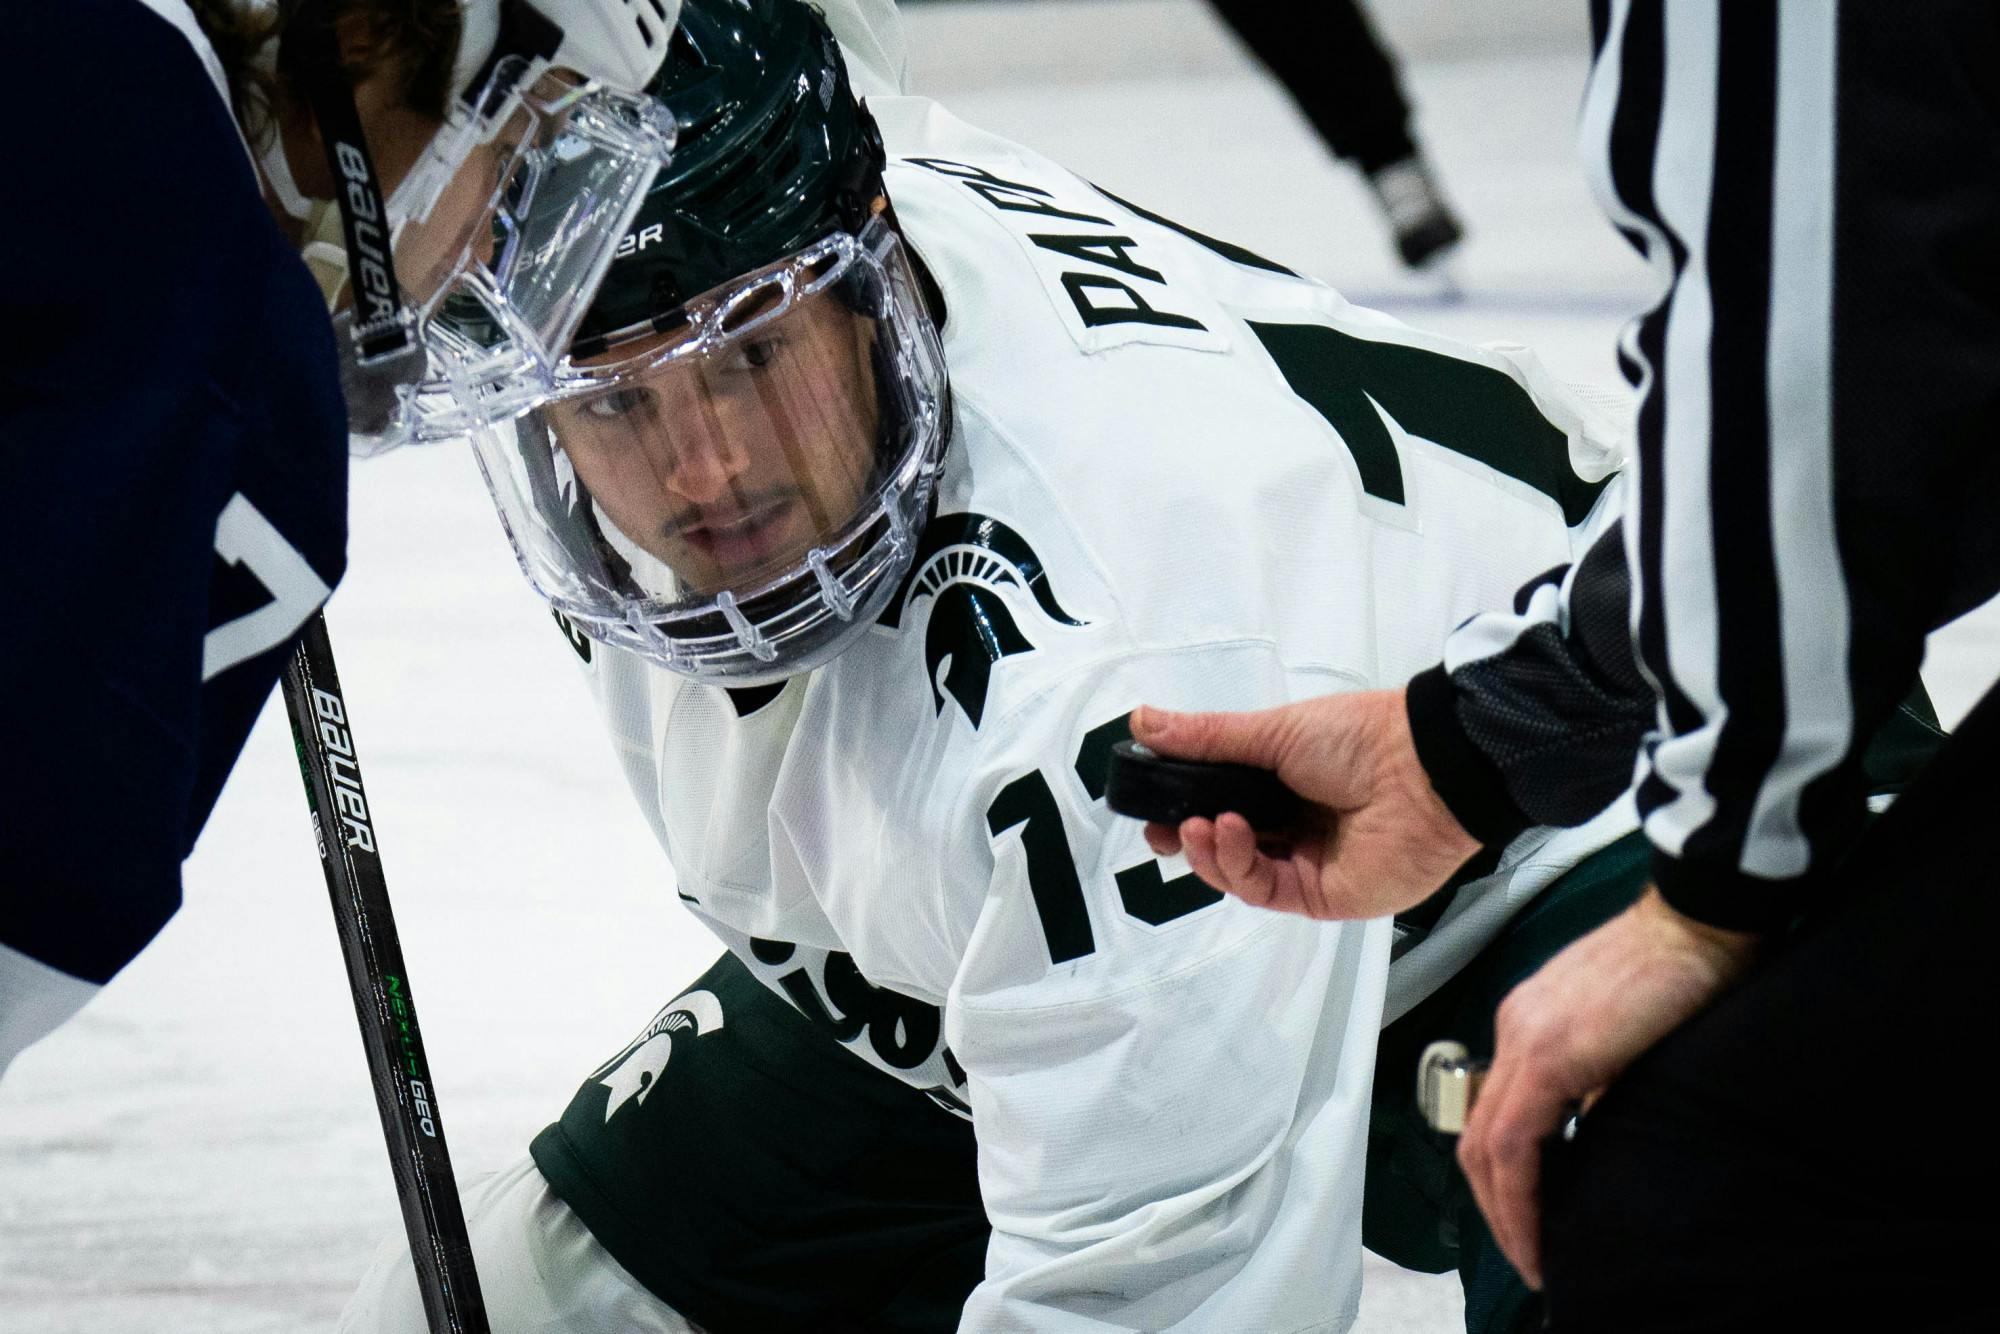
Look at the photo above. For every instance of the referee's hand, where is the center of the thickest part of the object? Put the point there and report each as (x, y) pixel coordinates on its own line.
(1377, 839)
(1568, 1031)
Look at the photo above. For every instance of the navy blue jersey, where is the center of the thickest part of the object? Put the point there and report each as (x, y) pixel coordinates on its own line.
(172, 475)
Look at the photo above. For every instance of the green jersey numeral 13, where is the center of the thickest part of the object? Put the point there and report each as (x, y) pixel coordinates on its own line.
(1029, 804)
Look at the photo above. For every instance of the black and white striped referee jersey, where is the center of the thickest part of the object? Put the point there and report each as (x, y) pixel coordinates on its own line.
(1817, 186)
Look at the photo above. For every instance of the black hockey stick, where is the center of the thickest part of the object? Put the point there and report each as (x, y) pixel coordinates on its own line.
(403, 1091)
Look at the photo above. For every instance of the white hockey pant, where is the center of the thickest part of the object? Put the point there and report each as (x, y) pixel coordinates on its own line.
(540, 1271)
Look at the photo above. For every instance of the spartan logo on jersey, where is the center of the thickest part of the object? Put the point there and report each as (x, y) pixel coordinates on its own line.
(635, 1072)
(962, 564)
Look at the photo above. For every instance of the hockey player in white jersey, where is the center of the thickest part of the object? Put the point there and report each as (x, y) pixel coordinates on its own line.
(894, 473)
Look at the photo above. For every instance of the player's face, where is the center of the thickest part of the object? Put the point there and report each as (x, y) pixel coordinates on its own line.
(733, 464)
(397, 132)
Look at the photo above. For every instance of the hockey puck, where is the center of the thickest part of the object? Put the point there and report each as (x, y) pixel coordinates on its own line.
(1148, 786)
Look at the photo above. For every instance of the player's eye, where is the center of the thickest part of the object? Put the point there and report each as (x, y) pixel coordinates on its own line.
(756, 353)
(617, 403)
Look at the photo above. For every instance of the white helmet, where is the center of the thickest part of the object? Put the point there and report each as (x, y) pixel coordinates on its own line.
(617, 44)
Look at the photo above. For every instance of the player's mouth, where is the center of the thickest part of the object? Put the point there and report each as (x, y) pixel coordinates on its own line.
(744, 539)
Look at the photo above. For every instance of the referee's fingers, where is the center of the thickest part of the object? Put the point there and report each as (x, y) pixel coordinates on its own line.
(1198, 845)
(1236, 852)
(1501, 1152)
(1224, 853)
(1231, 738)
(1474, 1157)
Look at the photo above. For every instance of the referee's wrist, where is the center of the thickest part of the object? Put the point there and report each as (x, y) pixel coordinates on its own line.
(1729, 947)
(1468, 783)
(1723, 898)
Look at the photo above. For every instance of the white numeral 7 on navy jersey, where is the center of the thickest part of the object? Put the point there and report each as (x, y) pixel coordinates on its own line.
(243, 536)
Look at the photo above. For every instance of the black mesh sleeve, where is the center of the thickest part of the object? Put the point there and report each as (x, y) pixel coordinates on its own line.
(1544, 729)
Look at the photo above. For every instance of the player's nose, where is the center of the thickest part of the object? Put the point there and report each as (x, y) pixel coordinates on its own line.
(706, 464)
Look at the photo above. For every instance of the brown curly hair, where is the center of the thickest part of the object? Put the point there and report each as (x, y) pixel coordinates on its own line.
(418, 39)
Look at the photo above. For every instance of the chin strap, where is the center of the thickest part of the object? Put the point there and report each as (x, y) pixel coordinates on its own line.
(383, 325)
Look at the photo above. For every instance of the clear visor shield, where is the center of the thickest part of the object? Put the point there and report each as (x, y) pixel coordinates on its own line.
(499, 236)
(734, 488)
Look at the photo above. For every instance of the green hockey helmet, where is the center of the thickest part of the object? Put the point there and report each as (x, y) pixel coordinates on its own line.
(774, 153)
(734, 477)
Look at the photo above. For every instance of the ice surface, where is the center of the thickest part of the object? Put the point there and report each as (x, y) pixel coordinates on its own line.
(198, 1151)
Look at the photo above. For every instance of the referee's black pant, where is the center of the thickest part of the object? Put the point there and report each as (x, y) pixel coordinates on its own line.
(1817, 1150)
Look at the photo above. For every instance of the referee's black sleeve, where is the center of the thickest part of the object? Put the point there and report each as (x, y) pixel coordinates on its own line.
(1817, 185)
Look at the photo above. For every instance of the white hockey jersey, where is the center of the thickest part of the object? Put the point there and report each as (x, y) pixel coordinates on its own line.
(1178, 475)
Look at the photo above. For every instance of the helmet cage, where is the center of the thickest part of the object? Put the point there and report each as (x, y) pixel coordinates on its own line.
(767, 622)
